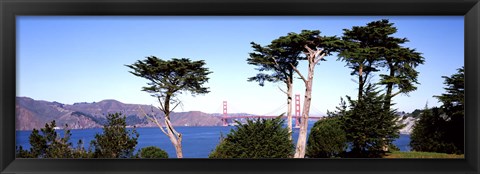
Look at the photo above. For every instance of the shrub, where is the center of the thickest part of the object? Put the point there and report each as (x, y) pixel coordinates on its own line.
(327, 139)
(152, 152)
(258, 138)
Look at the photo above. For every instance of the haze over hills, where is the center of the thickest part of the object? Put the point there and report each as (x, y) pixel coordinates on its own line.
(32, 113)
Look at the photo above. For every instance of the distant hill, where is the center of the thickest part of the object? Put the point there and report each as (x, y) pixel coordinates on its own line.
(32, 113)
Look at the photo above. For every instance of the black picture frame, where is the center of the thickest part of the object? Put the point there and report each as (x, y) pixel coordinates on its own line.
(9, 9)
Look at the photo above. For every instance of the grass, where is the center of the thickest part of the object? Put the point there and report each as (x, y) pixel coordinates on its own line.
(413, 154)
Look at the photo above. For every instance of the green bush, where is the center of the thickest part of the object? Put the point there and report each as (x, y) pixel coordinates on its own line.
(327, 139)
(259, 138)
(152, 152)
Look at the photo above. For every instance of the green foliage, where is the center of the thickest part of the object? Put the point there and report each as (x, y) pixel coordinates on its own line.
(393, 147)
(327, 139)
(429, 133)
(116, 141)
(81, 152)
(402, 63)
(152, 152)
(259, 138)
(170, 77)
(282, 55)
(442, 129)
(454, 107)
(367, 125)
(360, 50)
(369, 48)
(46, 143)
(21, 153)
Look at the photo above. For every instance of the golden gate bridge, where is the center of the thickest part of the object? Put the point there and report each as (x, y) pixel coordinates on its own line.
(298, 117)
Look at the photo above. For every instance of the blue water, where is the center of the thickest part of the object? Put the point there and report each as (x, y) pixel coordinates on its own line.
(198, 142)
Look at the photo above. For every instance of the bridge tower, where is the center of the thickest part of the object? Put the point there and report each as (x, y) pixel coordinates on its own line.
(297, 110)
(224, 117)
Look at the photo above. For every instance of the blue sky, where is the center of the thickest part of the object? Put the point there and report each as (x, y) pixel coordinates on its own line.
(81, 59)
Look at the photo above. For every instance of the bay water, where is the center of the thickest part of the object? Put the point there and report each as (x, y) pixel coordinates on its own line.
(198, 142)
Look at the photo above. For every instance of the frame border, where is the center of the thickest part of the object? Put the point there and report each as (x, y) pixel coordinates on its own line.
(470, 9)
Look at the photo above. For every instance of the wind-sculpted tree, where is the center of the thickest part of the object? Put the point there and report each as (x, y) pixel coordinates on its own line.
(315, 48)
(367, 49)
(167, 79)
(275, 63)
(360, 50)
(400, 61)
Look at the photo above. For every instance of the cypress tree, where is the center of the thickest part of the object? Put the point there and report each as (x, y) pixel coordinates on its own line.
(442, 129)
(367, 125)
(115, 141)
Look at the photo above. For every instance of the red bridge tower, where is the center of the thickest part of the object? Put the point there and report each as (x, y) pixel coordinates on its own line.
(297, 110)
(224, 118)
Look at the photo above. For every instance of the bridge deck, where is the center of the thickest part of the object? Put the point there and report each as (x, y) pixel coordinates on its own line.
(263, 116)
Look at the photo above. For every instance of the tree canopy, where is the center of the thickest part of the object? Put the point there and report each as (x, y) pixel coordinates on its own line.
(171, 77)
(115, 141)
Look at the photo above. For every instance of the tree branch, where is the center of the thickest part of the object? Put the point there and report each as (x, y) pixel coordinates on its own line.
(276, 63)
(310, 51)
(175, 106)
(318, 52)
(298, 72)
(154, 119)
(170, 127)
(282, 90)
(393, 95)
(162, 108)
(319, 58)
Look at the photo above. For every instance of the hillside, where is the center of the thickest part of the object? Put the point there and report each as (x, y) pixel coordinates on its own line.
(32, 113)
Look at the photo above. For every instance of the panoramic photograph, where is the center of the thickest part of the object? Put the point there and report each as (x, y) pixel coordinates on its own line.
(240, 87)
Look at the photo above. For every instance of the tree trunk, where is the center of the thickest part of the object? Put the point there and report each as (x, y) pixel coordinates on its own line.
(174, 136)
(360, 81)
(388, 99)
(388, 94)
(302, 137)
(289, 107)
